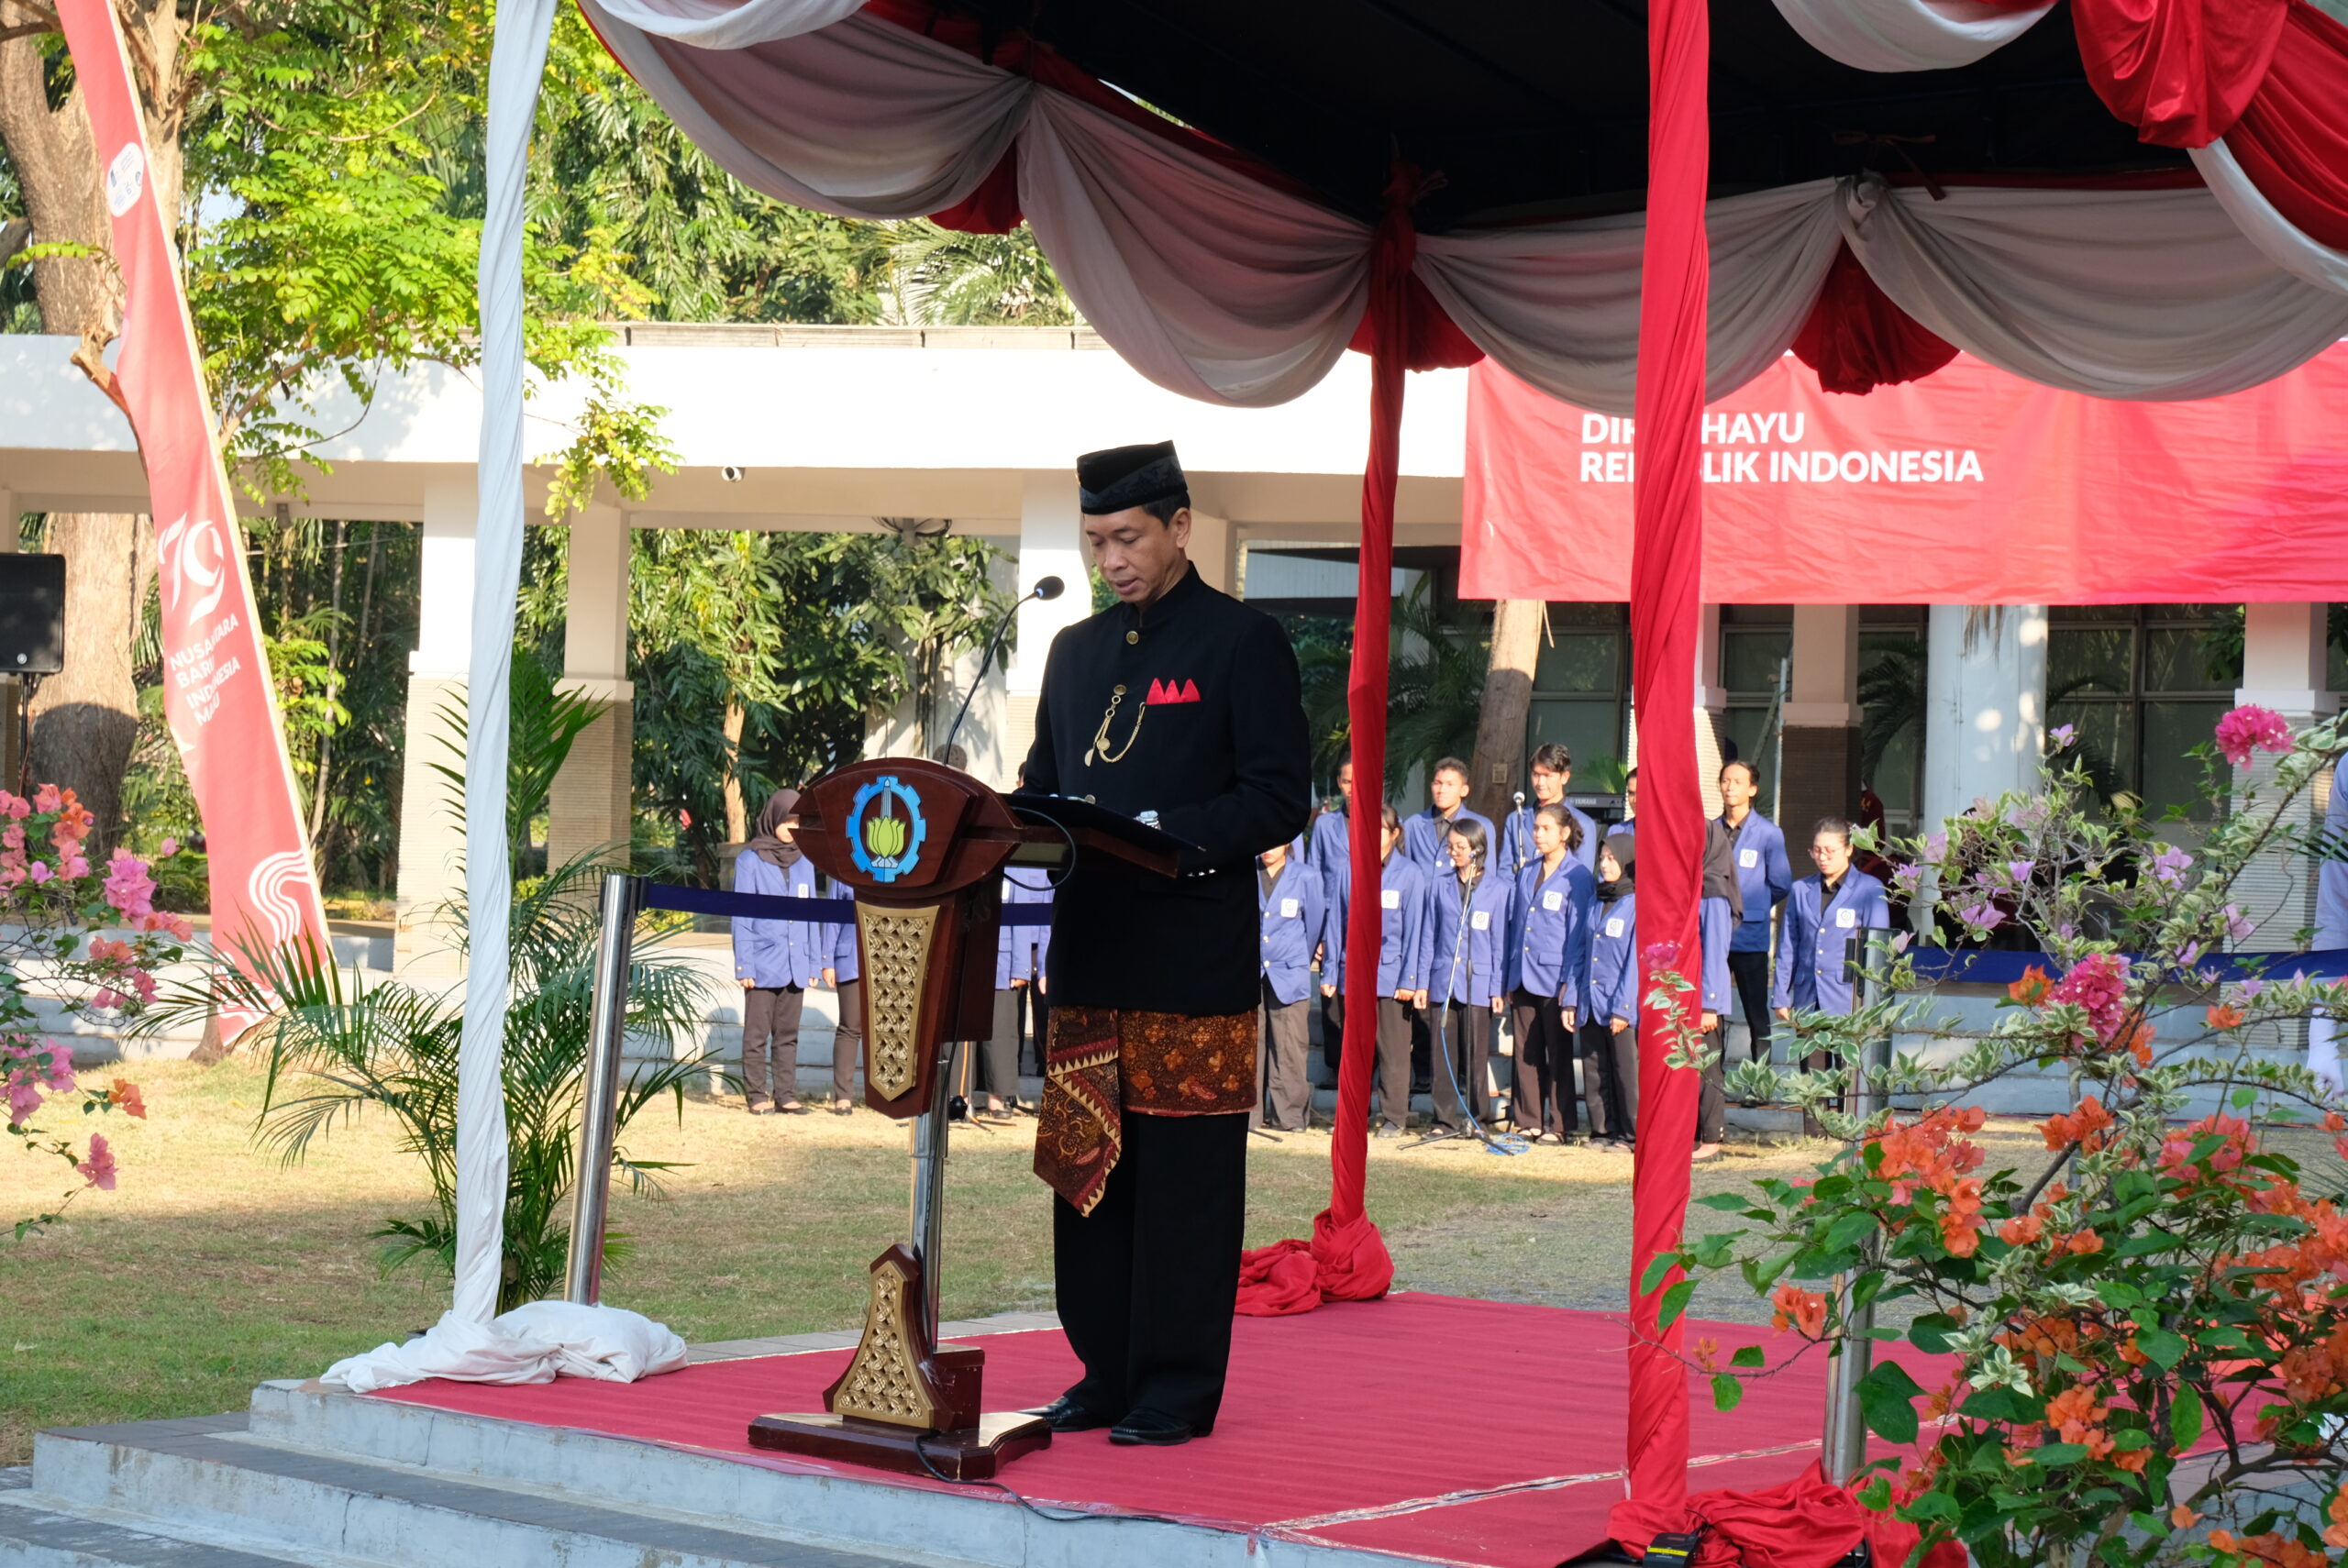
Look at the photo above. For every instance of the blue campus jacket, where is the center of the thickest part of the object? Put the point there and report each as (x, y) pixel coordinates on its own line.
(1292, 918)
(1549, 932)
(1426, 838)
(1764, 878)
(1814, 939)
(1325, 854)
(1019, 950)
(848, 964)
(1470, 945)
(1402, 946)
(1516, 839)
(1614, 960)
(1715, 931)
(772, 953)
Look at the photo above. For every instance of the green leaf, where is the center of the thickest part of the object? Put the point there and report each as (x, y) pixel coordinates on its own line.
(1848, 1229)
(2054, 1454)
(1726, 1202)
(1675, 1301)
(1748, 1355)
(2001, 1403)
(1728, 1391)
(1930, 1332)
(1885, 1399)
(1658, 1269)
(2184, 1415)
(2162, 1348)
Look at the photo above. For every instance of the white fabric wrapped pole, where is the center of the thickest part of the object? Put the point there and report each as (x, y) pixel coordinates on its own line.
(1907, 35)
(725, 24)
(2286, 244)
(517, 62)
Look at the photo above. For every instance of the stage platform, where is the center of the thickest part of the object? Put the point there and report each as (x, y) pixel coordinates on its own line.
(1419, 1428)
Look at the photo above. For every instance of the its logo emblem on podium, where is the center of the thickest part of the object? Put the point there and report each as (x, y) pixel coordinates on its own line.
(885, 844)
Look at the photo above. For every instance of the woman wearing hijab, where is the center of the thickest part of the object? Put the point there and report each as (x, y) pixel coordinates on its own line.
(1610, 1030)
(776, 960)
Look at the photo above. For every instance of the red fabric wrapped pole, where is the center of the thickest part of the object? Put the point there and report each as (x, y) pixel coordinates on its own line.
(2292, 140)
(1667, 558)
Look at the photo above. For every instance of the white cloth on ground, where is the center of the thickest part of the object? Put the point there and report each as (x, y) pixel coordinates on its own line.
(536, 1342)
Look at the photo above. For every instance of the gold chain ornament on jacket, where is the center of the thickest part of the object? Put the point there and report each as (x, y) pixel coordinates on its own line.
(1099, 746)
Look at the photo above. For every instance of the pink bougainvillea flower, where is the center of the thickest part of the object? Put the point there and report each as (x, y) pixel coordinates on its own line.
(2251, 728)
(2063, 735)
(24, 1099)
(98, 1168)
(168, 848)
(2171, 863)
(2237, 925)
(38, 871)
(1982, 916)
(2100, 984)
(47, 799)
(2020, 870)
(1661, 955)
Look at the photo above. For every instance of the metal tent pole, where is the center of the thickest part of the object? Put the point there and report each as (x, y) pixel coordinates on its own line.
(1845, 1449)
(583, 1279)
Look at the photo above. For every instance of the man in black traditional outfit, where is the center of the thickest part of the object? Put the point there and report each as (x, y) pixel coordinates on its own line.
(1181, 705)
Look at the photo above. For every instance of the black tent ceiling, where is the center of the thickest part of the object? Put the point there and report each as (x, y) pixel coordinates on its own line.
(1531, 109)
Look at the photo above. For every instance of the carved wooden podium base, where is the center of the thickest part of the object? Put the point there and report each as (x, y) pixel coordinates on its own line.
(904, 1403)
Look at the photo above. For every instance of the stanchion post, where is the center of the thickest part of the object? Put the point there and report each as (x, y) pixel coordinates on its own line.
(1845, 1449)
(583, 1279)
(930, 1130)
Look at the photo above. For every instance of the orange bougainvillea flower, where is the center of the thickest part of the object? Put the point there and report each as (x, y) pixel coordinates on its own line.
(2222, 1016)
(2335, 1534)
(2021, 1232)
(2183, 1517)
(125, 1094)
(2334, 1122)
(1799, 1308)
(2031, 988)
(1707, 1352)
(2084, 1125)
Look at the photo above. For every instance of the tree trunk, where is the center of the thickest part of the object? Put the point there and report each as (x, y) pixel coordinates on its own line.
(85, 720)
(737, 816)
(1508, 700)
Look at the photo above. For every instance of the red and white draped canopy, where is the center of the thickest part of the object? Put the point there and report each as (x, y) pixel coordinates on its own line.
(2151, 202)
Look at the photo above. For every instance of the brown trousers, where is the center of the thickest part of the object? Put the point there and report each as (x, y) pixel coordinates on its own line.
(771, 1041)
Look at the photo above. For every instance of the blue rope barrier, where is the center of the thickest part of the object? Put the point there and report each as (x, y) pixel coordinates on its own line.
(774, 905)
(1977, 967)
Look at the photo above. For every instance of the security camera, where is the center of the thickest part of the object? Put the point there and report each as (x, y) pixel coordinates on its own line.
(733, 475)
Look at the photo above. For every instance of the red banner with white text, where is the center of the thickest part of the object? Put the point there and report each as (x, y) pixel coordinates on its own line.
(218, 697)
(1968, 487)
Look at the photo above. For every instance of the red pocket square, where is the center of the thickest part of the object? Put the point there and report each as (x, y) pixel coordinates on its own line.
(1164, 691)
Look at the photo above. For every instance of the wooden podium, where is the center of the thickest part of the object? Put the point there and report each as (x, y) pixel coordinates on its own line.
(922, 847)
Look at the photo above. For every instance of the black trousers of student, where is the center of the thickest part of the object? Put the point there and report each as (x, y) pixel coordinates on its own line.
(1712, 1095)
(1393, 1054)
(1545, 1066)
(1610, 1079)
(1464, 1035)
(1750, 973)
(1147, 1280)
(771, 1041)
(848, 1042)
(1283, 1073)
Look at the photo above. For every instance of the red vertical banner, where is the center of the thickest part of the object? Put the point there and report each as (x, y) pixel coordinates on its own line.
(1667, 562)
(218, 697)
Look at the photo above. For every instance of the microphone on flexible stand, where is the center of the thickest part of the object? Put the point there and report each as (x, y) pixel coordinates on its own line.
(1046, 587)
(1521, 829)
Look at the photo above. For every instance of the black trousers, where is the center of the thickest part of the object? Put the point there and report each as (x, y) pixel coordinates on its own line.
(1147, 1280)
(1750, 973)
(771, 1041)
(1545, 1066)
(1464, 1037)
(1283, 1079)
(1610, 1077)
(848, 1042)
(1393, 1054)
(1712, 1095)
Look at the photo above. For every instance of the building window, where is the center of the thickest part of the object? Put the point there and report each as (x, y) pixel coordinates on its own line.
(1892, 644)
(2143, 684)
(1581, 691)
(1757, 641)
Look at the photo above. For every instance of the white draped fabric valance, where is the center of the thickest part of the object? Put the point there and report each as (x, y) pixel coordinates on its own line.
(1907, 35)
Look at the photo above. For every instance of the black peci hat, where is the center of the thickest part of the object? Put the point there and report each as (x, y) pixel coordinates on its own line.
(1125, 476)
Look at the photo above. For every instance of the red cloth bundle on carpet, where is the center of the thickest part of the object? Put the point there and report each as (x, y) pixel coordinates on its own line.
(1346, 1260)
(1805, 1521)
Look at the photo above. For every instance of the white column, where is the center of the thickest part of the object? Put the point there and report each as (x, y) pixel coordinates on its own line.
(431, 846)
(1711, 705)
(1985, 706)
(2284, 666)
(1051, 543)
(589, 805)
(1821, 720)
(1213, 550)
(11, 732)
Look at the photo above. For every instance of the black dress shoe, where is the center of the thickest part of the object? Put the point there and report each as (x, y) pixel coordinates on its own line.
(1154, 1429)
(1066, 1416)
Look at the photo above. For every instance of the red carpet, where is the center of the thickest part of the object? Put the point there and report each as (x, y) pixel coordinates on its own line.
(1473, 1433)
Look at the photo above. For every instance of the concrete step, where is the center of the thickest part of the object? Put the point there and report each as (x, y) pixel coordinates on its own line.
(206, 1494)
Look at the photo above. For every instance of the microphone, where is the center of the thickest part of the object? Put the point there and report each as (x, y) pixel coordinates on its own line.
(1520, 830)
(1046, 589)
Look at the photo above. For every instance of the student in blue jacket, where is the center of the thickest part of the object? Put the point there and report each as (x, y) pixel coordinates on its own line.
(776, 960)
(1548, 968)
(1328, 855)
(1020, 951)
(1426, 837)
(1827, 909)
(1553, 770)
(1288, 897)
(1468, 922)
(846, 975)
(1402, 966)
(1763, 877)
(1718, 911)
(1609, 1028)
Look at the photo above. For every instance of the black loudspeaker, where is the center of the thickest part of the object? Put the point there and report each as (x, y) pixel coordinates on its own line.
(32, 614)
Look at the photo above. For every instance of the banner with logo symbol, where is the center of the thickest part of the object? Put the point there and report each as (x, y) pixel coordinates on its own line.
(217, 695)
